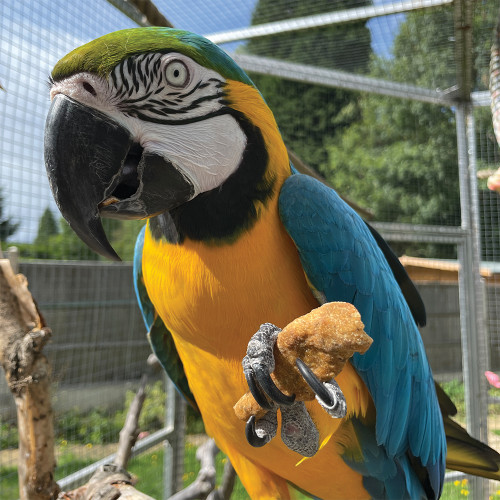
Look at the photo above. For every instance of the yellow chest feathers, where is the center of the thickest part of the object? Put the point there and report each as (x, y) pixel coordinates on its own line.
(217, 296)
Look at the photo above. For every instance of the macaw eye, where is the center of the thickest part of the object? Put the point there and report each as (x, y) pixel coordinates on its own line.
(177, 74)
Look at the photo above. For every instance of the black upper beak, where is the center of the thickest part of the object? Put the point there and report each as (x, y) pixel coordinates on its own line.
(95, 168)
(80, 168)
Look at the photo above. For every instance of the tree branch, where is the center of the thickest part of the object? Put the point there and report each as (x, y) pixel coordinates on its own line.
(109, 482)
(130, 431)
(203, 486)
(23, 334)
(227, 486)
(205, 481)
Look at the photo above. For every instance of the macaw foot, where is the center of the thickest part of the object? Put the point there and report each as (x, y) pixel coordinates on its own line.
(258, 365)
(298, 431)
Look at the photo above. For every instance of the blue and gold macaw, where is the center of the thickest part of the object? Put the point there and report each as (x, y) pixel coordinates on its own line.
(160, 124)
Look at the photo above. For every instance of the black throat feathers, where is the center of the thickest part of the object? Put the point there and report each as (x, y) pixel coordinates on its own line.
(219, 216)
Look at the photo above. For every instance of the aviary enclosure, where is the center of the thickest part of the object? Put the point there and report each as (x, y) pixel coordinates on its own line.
(386, 102)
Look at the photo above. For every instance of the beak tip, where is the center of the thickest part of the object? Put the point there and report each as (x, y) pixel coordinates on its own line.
(116, 258)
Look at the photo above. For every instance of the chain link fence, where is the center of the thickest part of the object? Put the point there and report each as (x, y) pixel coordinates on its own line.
(386, 101)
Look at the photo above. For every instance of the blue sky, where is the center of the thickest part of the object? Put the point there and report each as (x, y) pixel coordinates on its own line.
(198, 16)
(35, 34)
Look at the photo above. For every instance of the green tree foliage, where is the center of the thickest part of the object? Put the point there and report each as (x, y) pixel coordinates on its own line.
(47, 227)
(7, 226)
(63, 244)
(400, 159)
(58, 241)
(308, 114)
(123, 236)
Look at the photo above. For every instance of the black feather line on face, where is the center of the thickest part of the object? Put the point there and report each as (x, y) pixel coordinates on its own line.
(221, 215)
(194, 89)
(128, 76)
(126, 103)
(163, 108)
(141, 74)
(135, 81)
(180, 121)
(124, 80)
(113, 78)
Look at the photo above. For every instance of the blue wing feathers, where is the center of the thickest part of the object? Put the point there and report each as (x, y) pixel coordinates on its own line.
(342, 259)
(145, 305)
(399, 422)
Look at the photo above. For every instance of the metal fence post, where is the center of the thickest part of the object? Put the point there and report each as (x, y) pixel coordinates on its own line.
(13, 256)
(472, 325)
(178, 440)
(173, 458)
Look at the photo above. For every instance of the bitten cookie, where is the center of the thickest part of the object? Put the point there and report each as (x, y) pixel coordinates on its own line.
(324, 339)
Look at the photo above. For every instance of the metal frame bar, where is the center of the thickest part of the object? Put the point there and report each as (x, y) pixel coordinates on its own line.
(341, 79)
(173, 456)
(463, 47)
(82, 475)
(395, 231)
(325, 19)
(472, 328)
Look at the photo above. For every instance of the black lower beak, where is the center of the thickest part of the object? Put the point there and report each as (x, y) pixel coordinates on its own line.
(96, 169)
(84, 150)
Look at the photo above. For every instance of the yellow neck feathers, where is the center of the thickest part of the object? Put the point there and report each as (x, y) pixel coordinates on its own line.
(251, 104)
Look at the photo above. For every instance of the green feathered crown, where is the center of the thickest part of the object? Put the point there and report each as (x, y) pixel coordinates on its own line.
(101, 55)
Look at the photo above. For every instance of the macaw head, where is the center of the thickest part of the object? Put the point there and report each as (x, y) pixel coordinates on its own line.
(149, 120)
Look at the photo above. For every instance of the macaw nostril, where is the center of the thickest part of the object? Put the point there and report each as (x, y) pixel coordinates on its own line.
(89, 88)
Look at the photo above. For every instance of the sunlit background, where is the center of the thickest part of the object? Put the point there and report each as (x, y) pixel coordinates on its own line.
(377, 103)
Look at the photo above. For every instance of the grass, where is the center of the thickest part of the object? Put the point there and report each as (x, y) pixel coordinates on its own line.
(8, 485)
(147, 468)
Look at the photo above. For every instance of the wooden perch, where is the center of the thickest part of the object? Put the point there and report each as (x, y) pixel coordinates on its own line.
(23, 334)
(109, 482)
(205, 481)
(227, 484)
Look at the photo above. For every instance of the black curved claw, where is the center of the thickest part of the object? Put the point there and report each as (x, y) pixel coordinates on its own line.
(314, 383)
(251, 435)
(257, 392)
(269, 387)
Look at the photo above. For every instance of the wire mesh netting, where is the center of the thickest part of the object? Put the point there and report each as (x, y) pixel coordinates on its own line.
(99, 349)
(392, 154)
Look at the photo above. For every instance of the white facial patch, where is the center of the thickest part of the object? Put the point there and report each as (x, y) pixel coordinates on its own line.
(207, 151)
